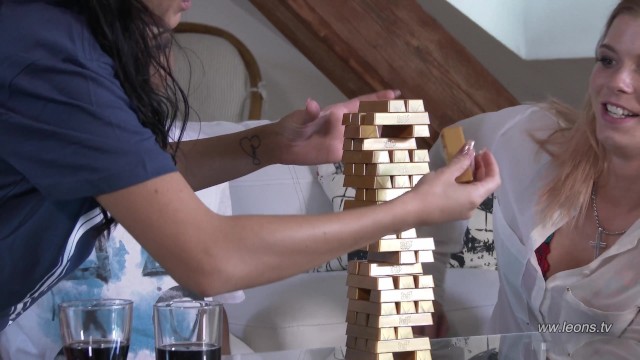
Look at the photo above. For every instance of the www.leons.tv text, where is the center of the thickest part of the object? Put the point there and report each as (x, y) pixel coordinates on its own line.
(566, 327)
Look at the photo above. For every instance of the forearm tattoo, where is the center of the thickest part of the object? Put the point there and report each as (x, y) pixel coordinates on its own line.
(250, 147)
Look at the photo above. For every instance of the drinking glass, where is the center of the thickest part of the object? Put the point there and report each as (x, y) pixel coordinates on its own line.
(188, 330)
(96, 328)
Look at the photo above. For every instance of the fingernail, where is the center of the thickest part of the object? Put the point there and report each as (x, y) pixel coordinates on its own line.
(468, 147)
(397, 93)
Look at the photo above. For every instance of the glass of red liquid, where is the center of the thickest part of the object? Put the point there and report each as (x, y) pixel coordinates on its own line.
(188, 330)
(96, 328)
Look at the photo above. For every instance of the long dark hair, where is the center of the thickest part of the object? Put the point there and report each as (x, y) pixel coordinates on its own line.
(139, 43)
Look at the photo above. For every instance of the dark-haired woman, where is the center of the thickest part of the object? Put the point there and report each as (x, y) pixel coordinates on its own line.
(86, 103)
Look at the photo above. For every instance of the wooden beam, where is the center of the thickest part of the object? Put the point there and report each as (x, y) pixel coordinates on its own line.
(368, 45)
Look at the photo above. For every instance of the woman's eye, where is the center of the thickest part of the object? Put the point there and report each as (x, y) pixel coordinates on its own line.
(605, 61)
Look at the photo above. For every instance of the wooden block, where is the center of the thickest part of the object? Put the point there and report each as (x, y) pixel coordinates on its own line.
(422, 281)
(400, 156)
(400, 295)
(361, 344)
(425, 306)
(452, 142)
(384, 245)
(371, 282)
(354, 169)
(415, 118)
(404, 282)
(383, 194)
(407, 234)
(385, 131)
(395, 257)
(362, 319)
(380, 144)
(355, 293)
(419, 155)
(375, 106)
(366, 156)
(367, 182)
(354, 204)
(406, 307)
(414, 105)
(372, 308)
(403, 333)
(351, 316)
(401, 181)
(396, 169)
(400, 320)
(351, 119)
(362, 131)
(372, 269)
(372, 333)
(415, 179)
(425, 256)
(387, 346)
(354, 354)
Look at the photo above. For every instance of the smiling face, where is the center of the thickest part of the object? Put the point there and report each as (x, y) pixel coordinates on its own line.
(614, 87)
(169, 10)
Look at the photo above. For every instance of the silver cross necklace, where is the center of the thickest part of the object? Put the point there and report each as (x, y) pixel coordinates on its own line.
(598, 243)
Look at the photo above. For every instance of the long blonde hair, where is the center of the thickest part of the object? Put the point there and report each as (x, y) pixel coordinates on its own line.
(577, 156)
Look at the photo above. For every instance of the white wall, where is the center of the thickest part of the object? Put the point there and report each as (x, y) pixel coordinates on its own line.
(290, 79)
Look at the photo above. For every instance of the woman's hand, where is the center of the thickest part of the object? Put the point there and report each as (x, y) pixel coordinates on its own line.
(313, 136)
(439, 198)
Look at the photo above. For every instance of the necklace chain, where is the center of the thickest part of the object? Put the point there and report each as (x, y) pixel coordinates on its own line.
(595, 215)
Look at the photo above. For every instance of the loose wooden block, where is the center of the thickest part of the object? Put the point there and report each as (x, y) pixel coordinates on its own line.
(414, 105)
(385, 131)
(375, 106)
(354, 354)
(415, 118)
(400, 320)
(384, 245)
(407, 234)
(452, 142)
(396, 169)
(366, 156)
(368, 182)
(425, 306)
(380, 144)
(400, 295)
(362, 131)
(400, 156)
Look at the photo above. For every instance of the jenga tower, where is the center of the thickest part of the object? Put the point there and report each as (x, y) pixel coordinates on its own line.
(384, 157)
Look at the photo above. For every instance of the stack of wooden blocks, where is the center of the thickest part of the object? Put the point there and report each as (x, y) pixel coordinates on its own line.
(385, 155)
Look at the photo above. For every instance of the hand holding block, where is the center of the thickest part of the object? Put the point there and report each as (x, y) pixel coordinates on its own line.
(452, 142)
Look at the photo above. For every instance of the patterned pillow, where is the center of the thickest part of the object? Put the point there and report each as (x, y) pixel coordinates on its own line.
(478, 250)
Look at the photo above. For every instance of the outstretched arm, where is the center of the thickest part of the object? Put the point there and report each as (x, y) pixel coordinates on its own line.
(212, 254)
(304, 137)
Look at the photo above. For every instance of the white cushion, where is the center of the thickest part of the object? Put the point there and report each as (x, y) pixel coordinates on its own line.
(304, 311)
(468, 298)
